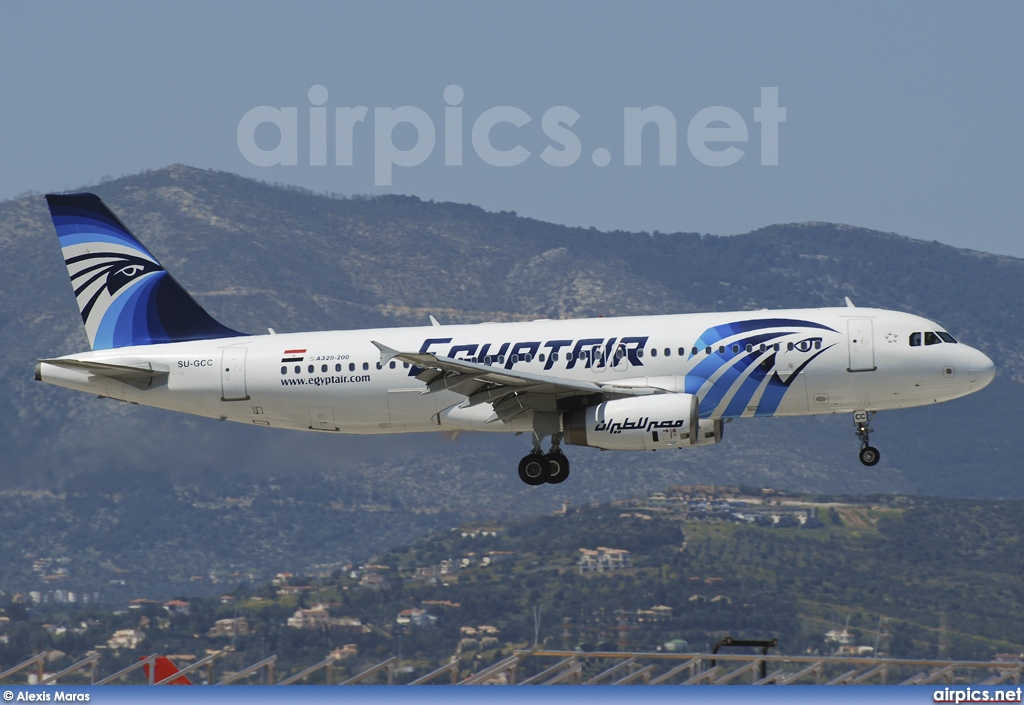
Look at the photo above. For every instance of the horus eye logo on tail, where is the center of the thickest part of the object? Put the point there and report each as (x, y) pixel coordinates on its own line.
(98, 277)
(125, 296)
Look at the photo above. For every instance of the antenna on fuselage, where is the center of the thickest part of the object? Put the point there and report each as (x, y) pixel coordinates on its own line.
(849, 304)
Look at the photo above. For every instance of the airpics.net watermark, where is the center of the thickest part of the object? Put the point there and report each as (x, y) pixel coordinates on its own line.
(711, 136)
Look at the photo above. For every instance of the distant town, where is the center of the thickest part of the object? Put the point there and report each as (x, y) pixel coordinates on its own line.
(674, 571)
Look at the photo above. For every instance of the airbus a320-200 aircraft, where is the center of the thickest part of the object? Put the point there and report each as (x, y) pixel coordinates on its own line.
(632, 383)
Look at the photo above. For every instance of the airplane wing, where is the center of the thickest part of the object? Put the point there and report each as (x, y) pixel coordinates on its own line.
(510, 392)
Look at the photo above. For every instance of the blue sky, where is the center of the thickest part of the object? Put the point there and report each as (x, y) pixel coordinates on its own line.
(903, 117)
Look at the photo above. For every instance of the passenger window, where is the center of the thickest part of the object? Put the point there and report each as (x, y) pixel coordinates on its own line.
(668, 352)
(391, 364)
(946, 337)
(735, 348)
(915, 340)
(284, 370)
(323, 368)
(639, 352)
(817, 345)
(693, 351)
(540, 358)
(762, 347)
(682, 351)
(378, 366)
(721, 349)
(707, 350)
(554, 357)
(789, 346)
(337, 368)
(298, 369)
(931, 339)
(776, 347)
(311, 368)
(750, 348)
(405, 365)
(654, 352)
(351, 367)
(366, 365)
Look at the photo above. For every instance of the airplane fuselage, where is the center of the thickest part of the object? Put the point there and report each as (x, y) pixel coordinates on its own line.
(636, 383)
(739, 364)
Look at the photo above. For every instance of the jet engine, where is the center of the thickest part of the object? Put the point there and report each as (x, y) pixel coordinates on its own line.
(642, 423)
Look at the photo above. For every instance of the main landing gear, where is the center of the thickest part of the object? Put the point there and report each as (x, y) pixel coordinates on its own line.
(538, 467)
(869, 455)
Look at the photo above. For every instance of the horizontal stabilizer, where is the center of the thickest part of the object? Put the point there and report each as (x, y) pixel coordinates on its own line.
(141, 376)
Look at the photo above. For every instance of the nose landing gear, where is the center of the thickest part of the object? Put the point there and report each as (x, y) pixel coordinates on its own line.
(869, 455)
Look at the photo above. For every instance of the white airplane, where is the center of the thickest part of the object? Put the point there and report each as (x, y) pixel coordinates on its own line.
(633, 383)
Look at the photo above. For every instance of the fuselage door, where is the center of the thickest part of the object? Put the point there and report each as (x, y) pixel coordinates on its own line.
(862, 345)
(410, 410)
(232, 375)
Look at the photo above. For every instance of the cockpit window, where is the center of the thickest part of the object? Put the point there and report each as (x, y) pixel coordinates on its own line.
(931, 339)
(946, 337)
(915, 340)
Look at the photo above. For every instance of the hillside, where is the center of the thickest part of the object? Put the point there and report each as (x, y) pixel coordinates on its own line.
(261, 256)
(680, 569)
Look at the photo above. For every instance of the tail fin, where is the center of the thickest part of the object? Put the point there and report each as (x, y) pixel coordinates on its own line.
(125, 296)
(165, 668)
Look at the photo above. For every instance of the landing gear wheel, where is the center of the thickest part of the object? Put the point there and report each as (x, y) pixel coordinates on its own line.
(870, 456)
(533, 469)
(558, 468)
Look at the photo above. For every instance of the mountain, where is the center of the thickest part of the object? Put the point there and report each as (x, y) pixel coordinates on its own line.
(258, 255)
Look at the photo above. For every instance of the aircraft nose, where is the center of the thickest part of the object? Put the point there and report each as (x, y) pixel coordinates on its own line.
(980, 368)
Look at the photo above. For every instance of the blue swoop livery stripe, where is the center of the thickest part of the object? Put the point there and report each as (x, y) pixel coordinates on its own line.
(776, 389)
(712, 336)
(146, 304)
(742, 363)
(743, 360)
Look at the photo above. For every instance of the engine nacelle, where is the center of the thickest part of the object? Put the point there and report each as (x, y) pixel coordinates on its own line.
(642, 423)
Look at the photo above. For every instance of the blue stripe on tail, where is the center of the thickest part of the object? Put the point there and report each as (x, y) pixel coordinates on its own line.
(126, 297)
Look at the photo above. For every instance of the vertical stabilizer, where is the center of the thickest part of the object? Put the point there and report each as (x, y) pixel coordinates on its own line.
(126, 297)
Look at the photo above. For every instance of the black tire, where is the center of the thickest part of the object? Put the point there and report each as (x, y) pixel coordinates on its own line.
(558, 468)
(533, 469)
(870, 456)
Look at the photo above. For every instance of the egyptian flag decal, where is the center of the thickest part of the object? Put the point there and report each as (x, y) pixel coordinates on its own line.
(293, 355)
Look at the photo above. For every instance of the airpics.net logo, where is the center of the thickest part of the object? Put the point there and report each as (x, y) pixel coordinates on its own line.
(712, 134)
